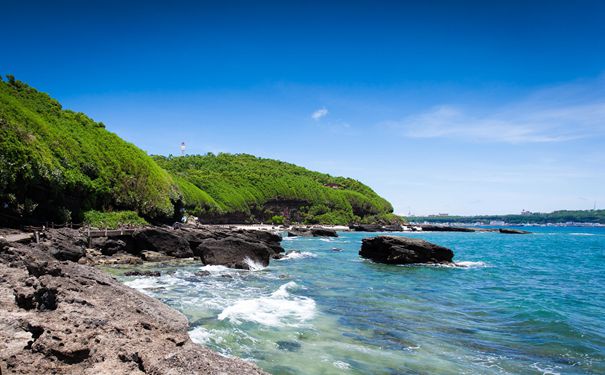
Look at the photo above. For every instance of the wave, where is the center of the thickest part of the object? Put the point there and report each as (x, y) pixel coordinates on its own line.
(581, 234)
(276, 310)
(298, 255)
(468, 264)
(200, 335)
(252, 265)
(544, 370)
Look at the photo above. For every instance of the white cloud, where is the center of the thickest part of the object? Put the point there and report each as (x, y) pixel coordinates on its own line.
(318, 114)
(557, 114)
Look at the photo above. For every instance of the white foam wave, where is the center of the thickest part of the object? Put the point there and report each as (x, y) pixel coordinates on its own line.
(298, 255)
(200, 335)
(277, 310)
(252, 265)
(544, 370)
(581, 234)
(341, 365)
(468, 264)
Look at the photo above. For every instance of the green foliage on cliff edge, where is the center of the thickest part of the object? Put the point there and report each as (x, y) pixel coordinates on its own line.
(256, 188)
(57, 163)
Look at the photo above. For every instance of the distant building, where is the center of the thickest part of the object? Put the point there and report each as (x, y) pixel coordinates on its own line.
(524, 212)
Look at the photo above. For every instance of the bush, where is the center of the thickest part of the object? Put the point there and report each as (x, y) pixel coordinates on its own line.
(277, 220)
(113, 220)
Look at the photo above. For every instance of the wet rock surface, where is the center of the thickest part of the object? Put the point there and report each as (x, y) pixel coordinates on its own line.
(404, 250)
(233, 252)
(221, 246)
(61, 317)
(311, 232)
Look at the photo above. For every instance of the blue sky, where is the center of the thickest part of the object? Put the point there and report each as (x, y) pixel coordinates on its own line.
(464, 107)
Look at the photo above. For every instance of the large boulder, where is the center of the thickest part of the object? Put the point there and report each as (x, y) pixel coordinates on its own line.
(323, 232)
(163, 241)
(233, 252)
(403, 250)
(366, 227)
(64, 244)
(311, 232)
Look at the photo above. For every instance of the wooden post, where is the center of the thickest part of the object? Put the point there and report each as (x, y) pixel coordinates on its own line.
(89, 239)
(37, 236)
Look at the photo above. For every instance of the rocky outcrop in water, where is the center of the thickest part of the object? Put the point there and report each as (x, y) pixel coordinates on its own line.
(233, 252)
(311, 232)
(403, 250)
(60, 317)
(376, 228)
(513, 231)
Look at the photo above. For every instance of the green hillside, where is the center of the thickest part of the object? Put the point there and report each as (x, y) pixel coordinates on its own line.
(246, 187)
(58, 164)
(55, 163)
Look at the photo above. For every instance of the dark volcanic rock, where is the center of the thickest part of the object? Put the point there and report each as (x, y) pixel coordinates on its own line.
(311, 232)
(513, 231)
(64, 244)
(403, 250)
(66, 318)
(323, 232)
(366, 228)
(233, 252)
(163, 241)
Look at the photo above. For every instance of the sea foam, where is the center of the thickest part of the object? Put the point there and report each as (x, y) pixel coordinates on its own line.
(277, 310)
(298, 255)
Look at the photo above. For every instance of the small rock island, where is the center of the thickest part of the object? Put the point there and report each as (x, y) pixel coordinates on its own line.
(404, 250)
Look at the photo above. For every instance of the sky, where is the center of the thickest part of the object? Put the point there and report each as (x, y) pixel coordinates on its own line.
(460, 107)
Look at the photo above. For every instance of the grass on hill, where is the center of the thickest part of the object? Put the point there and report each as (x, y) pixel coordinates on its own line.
(245, 185)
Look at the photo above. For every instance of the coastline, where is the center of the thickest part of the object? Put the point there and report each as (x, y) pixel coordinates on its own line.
(64, 317)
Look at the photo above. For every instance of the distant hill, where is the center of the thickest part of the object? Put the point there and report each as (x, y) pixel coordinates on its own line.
(556, 217)
(248, 188)
(57, 164)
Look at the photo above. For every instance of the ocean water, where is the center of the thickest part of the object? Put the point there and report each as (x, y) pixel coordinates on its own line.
(515, 304)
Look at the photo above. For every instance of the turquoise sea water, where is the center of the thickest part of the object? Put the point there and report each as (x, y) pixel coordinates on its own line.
(517, 304)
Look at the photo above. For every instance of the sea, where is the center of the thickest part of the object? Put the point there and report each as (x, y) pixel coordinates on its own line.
(511, 304)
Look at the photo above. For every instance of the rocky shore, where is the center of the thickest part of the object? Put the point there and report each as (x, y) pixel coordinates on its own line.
(61, 317)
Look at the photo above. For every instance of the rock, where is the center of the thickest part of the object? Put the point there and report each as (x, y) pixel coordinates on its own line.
(154, 256)
(513, 231)
(163, 241)
(314, 232)
(203, 273)
(233, 252)
(67, 318)
(143, 273)
(366, 227)
(299, 232)
(323, 232)
(64, 244)
(403, 250)
(118, 258)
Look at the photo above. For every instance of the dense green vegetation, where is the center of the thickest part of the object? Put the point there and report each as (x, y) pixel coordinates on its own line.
(556, 217)
(57, 165)
(113, 219)
(227, 185)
